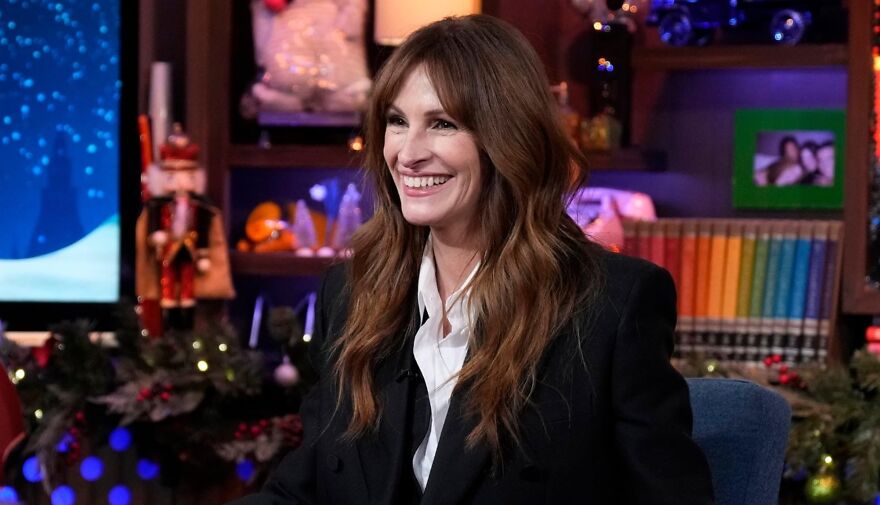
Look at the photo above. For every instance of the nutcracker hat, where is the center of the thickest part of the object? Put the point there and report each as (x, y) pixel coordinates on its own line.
(179, 152)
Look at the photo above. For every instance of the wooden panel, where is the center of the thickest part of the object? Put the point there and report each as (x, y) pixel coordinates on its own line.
(291, 156)
(279, 263)
(858, 297)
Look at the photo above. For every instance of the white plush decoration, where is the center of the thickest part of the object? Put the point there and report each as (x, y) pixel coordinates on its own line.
(313, 55)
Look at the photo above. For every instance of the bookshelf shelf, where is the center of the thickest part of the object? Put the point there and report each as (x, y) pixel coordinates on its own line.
(741, 56)
(278, 264)
(304, 156)
(629, 159)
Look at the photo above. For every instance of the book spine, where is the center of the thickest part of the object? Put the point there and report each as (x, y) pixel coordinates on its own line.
(630, 238)
(829, 289)
(730, 288)
(687, 280)
(717, 259)
(756, 300)
(643, 237)
(813, 306)
(672, 252)
(800, 281)
(774, 254)
(702, 280)
(657, 240)
(746, 276)
(784, 278)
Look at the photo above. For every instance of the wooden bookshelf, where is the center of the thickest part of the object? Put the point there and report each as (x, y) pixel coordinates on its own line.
(748, 56)
(278, 263)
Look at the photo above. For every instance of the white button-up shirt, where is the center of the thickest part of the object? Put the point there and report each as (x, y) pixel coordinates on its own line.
(439, 358)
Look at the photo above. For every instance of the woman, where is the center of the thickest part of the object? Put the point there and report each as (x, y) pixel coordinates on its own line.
(477, 348)
(787, 169)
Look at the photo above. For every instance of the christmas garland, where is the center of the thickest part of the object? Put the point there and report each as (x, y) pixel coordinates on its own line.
(192, 398)
(833, 453)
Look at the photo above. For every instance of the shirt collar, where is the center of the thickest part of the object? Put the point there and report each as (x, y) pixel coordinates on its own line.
(429, 294)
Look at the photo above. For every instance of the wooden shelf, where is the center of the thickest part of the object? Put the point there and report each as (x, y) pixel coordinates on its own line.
(278, 263)
(293, 156)
(629, 159)
(751, 56)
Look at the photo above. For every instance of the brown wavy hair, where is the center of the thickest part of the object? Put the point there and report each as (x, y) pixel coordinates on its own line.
(537, 269)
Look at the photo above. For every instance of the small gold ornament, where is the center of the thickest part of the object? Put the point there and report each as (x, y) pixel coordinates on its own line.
(823, 488)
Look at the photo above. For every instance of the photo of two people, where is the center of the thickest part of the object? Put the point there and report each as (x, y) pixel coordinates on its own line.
(785, 158)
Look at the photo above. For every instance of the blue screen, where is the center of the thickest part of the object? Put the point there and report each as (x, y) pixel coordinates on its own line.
(59, 150)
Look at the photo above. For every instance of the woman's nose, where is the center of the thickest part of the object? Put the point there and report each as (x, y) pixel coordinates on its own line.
(414, 150)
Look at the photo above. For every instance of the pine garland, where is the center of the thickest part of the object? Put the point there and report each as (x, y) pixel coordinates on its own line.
(195, 397)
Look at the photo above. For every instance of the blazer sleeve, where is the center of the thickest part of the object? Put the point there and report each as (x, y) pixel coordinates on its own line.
(659, 463)
(293, 481)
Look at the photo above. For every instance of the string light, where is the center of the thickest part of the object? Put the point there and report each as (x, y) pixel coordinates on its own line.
(222, 347)
(202, 365)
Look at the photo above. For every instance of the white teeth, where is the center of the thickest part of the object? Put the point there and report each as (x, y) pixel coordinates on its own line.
(424, 182)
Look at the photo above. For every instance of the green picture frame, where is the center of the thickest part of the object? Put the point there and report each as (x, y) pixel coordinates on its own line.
(766, 175)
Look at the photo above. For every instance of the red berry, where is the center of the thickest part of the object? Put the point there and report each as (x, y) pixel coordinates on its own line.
(165, 396)
(146, 392)
(255, 430)
(242, 427)
(768, 361)
(777, 358)
(783, 368)
(784, 378)
(264, 423)
(80, 416)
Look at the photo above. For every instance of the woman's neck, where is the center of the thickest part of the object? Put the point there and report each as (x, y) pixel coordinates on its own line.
(454, 259)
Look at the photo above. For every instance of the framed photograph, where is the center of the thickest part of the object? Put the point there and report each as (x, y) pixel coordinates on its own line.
(789, 158)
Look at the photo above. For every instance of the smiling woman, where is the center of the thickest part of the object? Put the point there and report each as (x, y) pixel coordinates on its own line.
(478, 348)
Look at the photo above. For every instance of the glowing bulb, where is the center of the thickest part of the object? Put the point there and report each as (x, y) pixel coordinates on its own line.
(633, 9)
(202, 365)
(602, 61)
(597, 25)
(38, 413)
(625, 7)
(20, 374)
(197, 344)
(307, 338)
(356, 144)
(828, 459)
(222, 347)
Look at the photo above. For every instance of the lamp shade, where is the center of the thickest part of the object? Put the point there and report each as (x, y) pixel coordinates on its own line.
(396, 19)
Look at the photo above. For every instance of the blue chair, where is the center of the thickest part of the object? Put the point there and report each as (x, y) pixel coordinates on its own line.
(743, 430)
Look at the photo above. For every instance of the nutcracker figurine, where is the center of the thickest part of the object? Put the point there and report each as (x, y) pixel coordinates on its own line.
(181, 237)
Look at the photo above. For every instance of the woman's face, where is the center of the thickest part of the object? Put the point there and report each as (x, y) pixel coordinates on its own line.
(808, 159)
(791, 150)
(434, 160)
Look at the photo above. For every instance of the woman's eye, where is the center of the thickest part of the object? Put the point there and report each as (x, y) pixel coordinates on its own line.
(395, 120)
(442, 124)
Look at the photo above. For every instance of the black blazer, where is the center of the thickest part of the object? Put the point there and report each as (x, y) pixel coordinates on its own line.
(610, 421)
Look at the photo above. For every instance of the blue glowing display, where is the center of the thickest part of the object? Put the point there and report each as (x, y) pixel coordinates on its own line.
(91, 468)
(59, 135)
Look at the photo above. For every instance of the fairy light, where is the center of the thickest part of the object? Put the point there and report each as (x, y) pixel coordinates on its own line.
(202, 365)
(222, 347)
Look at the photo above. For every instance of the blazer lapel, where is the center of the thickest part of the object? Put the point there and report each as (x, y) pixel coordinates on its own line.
(455, 469)
(383, 454)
